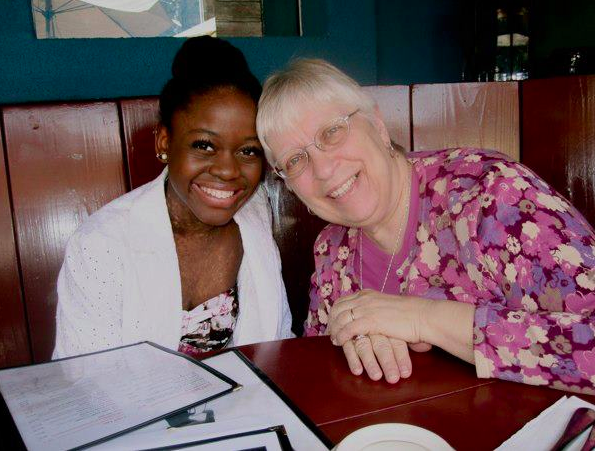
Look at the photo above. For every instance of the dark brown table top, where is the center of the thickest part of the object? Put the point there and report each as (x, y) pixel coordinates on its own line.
(442, 395)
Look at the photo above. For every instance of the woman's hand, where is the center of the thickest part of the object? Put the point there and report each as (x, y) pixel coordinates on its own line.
(379, 356)
(415, 320)
(369, 312)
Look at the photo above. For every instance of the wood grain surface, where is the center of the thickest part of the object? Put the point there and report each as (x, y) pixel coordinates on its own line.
(139, 119)
(14, 336)
(65, 162)
(484, 115)
(559, 137)
(393, 103)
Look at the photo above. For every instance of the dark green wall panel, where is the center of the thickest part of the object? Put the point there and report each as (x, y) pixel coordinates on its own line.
(420, 41)
(43, 70)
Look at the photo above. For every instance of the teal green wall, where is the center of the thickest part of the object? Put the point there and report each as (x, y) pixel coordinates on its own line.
(375, 41)
(43, 70)
(420, 41)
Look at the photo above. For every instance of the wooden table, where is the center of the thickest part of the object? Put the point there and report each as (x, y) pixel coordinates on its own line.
(443, 394)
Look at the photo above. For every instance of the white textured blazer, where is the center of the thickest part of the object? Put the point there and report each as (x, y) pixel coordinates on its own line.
(120, 280)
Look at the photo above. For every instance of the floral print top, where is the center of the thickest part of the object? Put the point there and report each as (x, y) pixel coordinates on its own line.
(491, 233)
(209, 326)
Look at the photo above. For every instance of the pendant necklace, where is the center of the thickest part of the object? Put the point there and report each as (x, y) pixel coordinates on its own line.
(397, 239)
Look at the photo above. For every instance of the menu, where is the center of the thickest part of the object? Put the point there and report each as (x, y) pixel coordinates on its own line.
(242, 420)
(83, 400)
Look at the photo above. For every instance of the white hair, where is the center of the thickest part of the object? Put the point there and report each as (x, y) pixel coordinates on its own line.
(305, 82)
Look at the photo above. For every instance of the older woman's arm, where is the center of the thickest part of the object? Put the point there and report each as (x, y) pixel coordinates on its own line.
(538, 348)
(449, 325)
(531, 256)
(542, 330)
(446, 324)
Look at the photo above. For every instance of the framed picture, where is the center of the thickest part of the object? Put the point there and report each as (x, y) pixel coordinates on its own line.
(63, 19)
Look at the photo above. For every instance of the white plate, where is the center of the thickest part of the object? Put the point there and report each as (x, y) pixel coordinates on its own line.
(393, 436)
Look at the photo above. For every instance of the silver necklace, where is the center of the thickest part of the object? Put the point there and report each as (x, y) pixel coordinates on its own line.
(397, 239)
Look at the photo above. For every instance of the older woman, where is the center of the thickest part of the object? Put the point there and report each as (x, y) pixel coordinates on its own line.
(462, 249)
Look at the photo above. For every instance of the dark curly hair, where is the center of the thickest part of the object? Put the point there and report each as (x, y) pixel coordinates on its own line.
(202, 64)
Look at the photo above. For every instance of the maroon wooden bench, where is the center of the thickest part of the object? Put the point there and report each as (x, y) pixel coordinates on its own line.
(63, 161)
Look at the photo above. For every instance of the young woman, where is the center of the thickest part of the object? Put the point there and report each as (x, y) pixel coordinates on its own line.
(188, 260)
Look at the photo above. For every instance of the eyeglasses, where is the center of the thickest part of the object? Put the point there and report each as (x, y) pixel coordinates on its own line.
(328, 137)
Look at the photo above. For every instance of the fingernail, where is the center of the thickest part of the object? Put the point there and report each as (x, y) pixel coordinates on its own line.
(357, 371)
(405, 372)
(392, 378)
(333, 341)
(376, 376)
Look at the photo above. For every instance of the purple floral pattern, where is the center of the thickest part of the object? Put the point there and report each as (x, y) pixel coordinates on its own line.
(493, 234)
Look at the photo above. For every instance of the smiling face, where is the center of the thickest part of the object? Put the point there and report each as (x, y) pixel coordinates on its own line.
(214, 156)
(353, 184)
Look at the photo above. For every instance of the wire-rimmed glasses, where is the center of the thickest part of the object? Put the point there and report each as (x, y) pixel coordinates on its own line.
(328, 137)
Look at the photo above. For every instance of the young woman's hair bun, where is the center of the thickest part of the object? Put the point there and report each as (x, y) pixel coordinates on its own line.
(204, 56)
(201, 65)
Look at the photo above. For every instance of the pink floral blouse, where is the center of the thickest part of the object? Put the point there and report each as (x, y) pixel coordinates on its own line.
(489, 232)
(210, 325)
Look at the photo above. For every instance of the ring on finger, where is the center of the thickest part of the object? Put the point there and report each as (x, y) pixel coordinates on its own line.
(359, 337)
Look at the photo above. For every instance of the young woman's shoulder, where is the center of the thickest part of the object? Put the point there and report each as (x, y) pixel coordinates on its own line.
(113, 218)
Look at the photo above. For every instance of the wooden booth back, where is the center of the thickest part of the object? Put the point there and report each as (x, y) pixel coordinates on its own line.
(63, 161)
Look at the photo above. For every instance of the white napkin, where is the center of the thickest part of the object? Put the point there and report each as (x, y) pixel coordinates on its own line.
(543, 432)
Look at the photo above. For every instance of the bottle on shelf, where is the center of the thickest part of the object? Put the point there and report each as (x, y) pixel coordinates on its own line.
(502, 58)
(520, 44)
(512, 44)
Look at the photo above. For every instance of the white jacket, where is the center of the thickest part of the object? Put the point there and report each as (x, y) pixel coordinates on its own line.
(120, 280)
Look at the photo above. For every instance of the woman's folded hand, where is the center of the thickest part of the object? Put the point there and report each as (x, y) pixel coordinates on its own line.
(374, 330)
(414, 320)
(378, 356)
(381, 356)
(370, 312)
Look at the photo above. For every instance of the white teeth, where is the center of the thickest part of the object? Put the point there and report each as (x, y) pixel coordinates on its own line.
(219, 194)
(343, 188)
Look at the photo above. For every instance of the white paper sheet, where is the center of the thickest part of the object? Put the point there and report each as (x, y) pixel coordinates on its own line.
(256, 406)
(72, 402)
